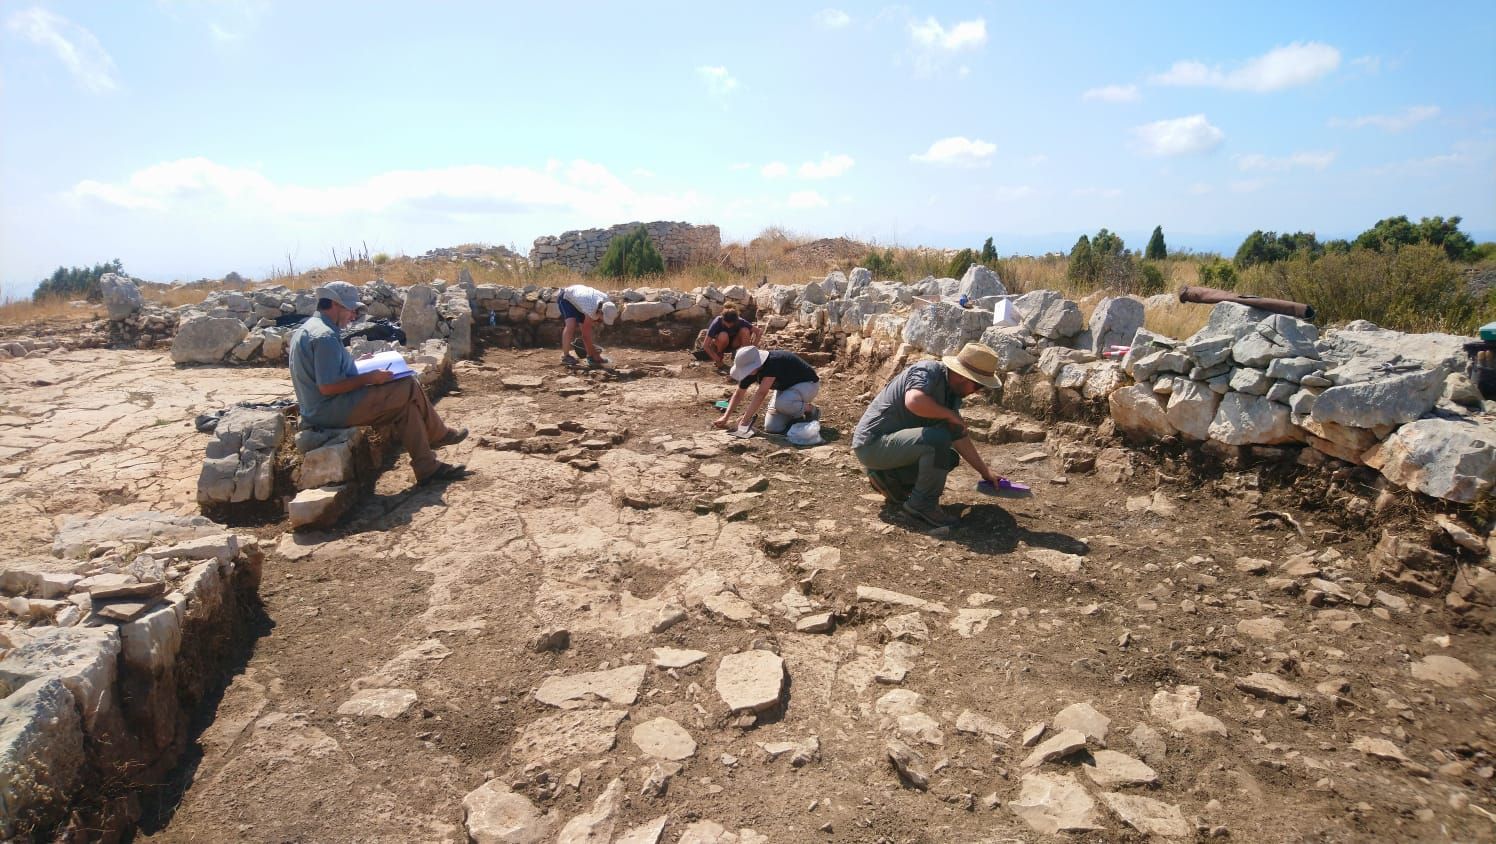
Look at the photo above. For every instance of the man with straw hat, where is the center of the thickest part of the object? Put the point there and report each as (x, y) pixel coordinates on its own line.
(912, 435)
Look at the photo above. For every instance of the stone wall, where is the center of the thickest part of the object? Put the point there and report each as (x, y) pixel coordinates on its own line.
(105, 652)
(680, 244)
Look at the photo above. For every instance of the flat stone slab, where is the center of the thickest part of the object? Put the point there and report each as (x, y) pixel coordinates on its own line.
(1180, 710)
(1268, 686)
(1055, 803)
(619, 686)
(1084, 717)
(825, 557)
(662, 738)
(522, 382)
(1444, 670)
(876, 595)
(820, 622)
(977, 724)
(1148, 816)
(1057, 746)
(495, 815)
(380, 703)
(1056, 561)
(1265, 629)
(1110, 768)
(555, 738)
(751, 681)
(972, 621)
(677, 658)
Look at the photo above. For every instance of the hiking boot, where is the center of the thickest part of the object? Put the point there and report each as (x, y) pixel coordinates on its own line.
(444, 472)
(453, 436)
(597, 362)
(930, 513)
(883, 487)
(569, 359)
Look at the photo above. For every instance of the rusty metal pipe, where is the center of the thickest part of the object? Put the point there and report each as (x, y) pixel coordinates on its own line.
(1212, 296)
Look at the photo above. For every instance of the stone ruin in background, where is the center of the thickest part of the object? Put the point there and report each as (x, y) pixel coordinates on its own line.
(680, 244)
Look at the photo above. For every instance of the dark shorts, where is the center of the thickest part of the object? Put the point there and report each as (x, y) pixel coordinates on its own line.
(569, 311)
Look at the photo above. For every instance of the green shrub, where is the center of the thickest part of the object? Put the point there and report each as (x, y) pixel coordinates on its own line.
(1150, 279)
(960, 263)
(71, 282)
(884, 266)
(1156, 250)
(1394, 233)
(381, 258)
(1485, 251)
(1082, 262)
(630, 256)
(1219, 274)
(989, 253)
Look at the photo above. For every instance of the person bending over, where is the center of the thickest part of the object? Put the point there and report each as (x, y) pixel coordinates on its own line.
(583, 307)
(794, 384)
(332, 393)
(912, 435)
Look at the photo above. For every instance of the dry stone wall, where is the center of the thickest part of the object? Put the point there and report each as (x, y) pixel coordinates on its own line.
(105, 651)
(680, 244)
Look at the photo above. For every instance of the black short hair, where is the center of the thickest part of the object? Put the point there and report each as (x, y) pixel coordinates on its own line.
(324, 304)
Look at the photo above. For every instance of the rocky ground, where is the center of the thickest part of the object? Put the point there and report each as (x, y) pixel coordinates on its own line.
(616, 625)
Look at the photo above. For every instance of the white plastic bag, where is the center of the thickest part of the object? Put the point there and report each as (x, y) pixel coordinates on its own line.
(1003, 313)
(804, 433)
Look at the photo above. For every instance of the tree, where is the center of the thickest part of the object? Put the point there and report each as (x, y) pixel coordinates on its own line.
(1156, 250)
(1267, 247)
(1082, 261)
(989, 253)
(1107, 243)
(960, 263)
(631, 255)
(1393, 233)
(67, 282)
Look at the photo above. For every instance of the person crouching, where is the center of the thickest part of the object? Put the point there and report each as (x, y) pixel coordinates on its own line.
(728, 333)
(793, 382)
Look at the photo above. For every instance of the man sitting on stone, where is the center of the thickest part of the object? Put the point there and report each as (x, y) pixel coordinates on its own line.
(911, 435)
(728, 333)
(793, 382)
(333, 394)
(584, 307)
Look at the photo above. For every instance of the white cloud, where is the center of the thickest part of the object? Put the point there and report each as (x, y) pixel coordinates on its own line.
(1113, 94)
(959, 151)
(966, 35)
(718, 81)
(1098, 193)
(806, 199)
(829, 166)
(1308, 160)
(1012, 193)
(227, 21)
(74, 46)
(1181, 136)
(774, 170)
(1405, 119)
(1296, 64)
(199, 185)
(832, 18)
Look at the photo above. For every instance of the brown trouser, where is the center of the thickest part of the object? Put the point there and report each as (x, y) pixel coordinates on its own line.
(403, 404)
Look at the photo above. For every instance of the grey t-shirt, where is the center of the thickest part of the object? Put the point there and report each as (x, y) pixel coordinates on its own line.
(887, 413)
(318, 357)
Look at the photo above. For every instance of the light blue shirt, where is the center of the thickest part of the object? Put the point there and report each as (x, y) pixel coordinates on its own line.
(318, 357)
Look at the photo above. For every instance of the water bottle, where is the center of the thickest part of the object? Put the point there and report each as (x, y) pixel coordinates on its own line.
(493, 317)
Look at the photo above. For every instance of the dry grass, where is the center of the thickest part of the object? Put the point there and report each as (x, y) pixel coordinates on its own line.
(1177, 319)
(23, 311)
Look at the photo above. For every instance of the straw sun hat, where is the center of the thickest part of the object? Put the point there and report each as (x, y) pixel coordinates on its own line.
(975, 361)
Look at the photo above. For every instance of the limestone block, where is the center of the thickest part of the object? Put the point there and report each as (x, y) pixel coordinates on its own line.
(1390, 400)
(1115, 322)
(121, 297)
(1253, 382)
(418, 316)
(206, 339)
(980, 281)
(1137, 413)
(1192, 408)
(320, 507)
(85, 659)
(41, 752)
(1453, 459)
(150, 643)
(1049, 314)
(326, 466)
(1012, 355)
(943, 328)
(247, 347)
(644, 311)
(1244, 419)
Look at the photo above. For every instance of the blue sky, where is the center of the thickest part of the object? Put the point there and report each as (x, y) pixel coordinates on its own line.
(193, 138)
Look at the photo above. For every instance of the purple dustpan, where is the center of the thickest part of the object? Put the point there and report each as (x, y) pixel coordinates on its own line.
(1004, 489)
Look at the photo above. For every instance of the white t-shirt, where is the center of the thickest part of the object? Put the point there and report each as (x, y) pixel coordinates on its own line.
(586, 299)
